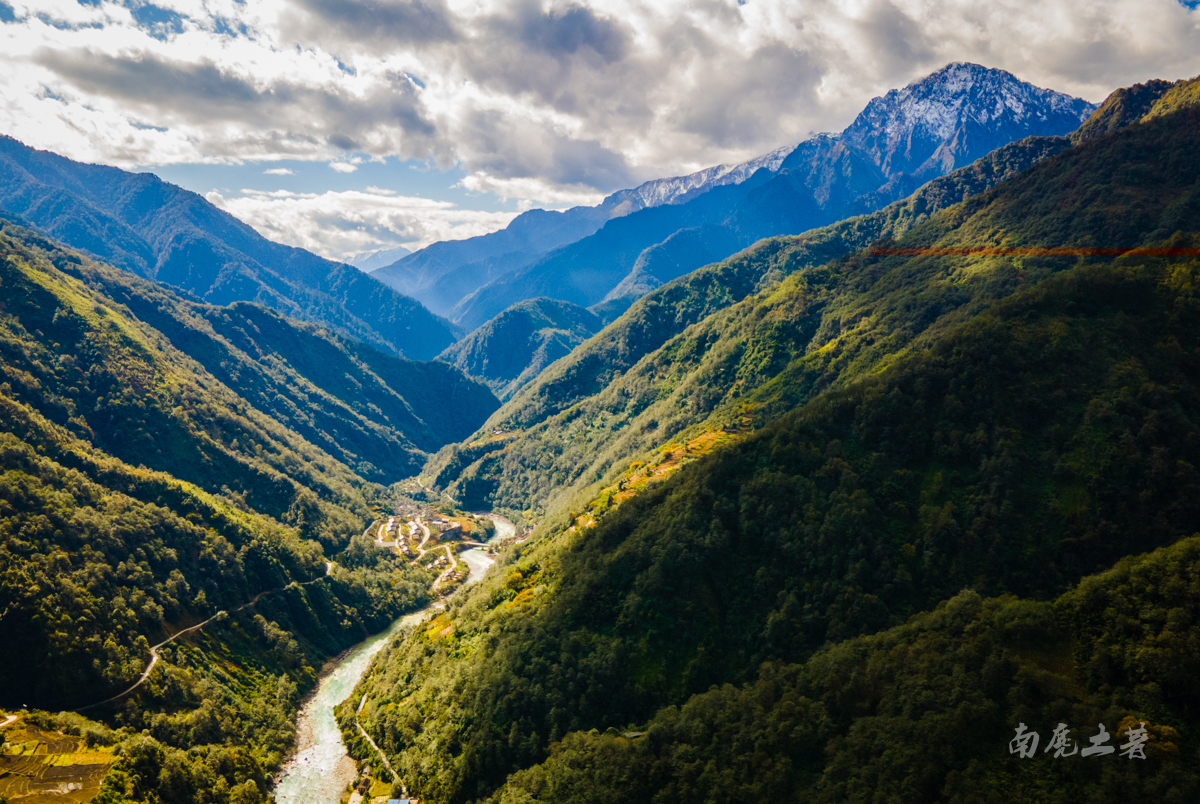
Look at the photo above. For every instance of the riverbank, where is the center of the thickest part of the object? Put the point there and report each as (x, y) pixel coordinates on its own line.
(320, 768)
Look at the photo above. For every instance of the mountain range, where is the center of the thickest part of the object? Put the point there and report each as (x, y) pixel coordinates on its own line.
(827, 518)
(642, 381)
(930, 489)
(641, 238)
(159, 231)
(443, 273)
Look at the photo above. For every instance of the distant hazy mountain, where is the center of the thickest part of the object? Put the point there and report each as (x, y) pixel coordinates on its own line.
(138, 222)
(370, 260)
(442, 274)
(513, 348)
(898, 142)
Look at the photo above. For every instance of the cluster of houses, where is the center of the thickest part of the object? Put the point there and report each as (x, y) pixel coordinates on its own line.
(443, 525)
(391, 528)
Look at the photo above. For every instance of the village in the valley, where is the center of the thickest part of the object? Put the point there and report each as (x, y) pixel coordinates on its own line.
(444, 540)
(431, 537)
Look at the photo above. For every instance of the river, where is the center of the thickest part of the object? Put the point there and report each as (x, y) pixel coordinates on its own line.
(320, 769)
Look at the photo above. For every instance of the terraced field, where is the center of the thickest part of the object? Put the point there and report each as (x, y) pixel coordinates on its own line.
(39, 766)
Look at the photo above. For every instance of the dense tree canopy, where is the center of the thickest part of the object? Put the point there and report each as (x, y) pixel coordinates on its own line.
(1006, 425)
(140, 495)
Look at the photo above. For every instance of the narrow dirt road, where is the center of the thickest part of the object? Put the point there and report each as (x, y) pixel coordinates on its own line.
(154, 648)
(448, 570)
(386, 764)
(420, 547)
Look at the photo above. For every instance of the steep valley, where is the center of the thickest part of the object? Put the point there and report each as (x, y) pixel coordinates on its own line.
(143, 494)
(965, 473)
(839, 517)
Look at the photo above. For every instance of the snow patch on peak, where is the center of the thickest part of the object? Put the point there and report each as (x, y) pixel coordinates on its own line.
(665, 191)
(937, 105)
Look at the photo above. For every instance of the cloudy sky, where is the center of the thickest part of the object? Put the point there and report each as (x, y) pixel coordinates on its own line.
(343, 126)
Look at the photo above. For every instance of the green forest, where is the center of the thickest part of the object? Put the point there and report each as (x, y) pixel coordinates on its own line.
(994, 432)
(139, 495)
(924, 711)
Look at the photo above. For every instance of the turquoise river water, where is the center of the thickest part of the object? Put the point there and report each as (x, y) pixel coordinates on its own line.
(320, 769)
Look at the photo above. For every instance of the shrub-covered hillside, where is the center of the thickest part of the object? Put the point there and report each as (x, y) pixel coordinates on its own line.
(140, 495)
(1007, 425)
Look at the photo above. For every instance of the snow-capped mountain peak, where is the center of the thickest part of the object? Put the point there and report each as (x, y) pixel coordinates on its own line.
(919, 130)
(903, 128)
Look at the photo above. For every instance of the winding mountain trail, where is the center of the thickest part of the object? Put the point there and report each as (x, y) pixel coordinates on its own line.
(154, 648)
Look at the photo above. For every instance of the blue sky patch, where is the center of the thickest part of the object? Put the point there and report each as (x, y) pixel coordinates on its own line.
(404, 177)
(157, 21)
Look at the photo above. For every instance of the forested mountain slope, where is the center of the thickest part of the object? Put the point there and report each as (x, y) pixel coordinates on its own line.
(927, 129)
(159, 231)
(140, 495)
(517, 345)
(1007, 424)
(379, 414)
(1137, 104)
(612, 399)
(926, 711)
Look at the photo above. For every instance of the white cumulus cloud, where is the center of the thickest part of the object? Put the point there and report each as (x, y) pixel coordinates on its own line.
(340, 224)
(543, 101)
